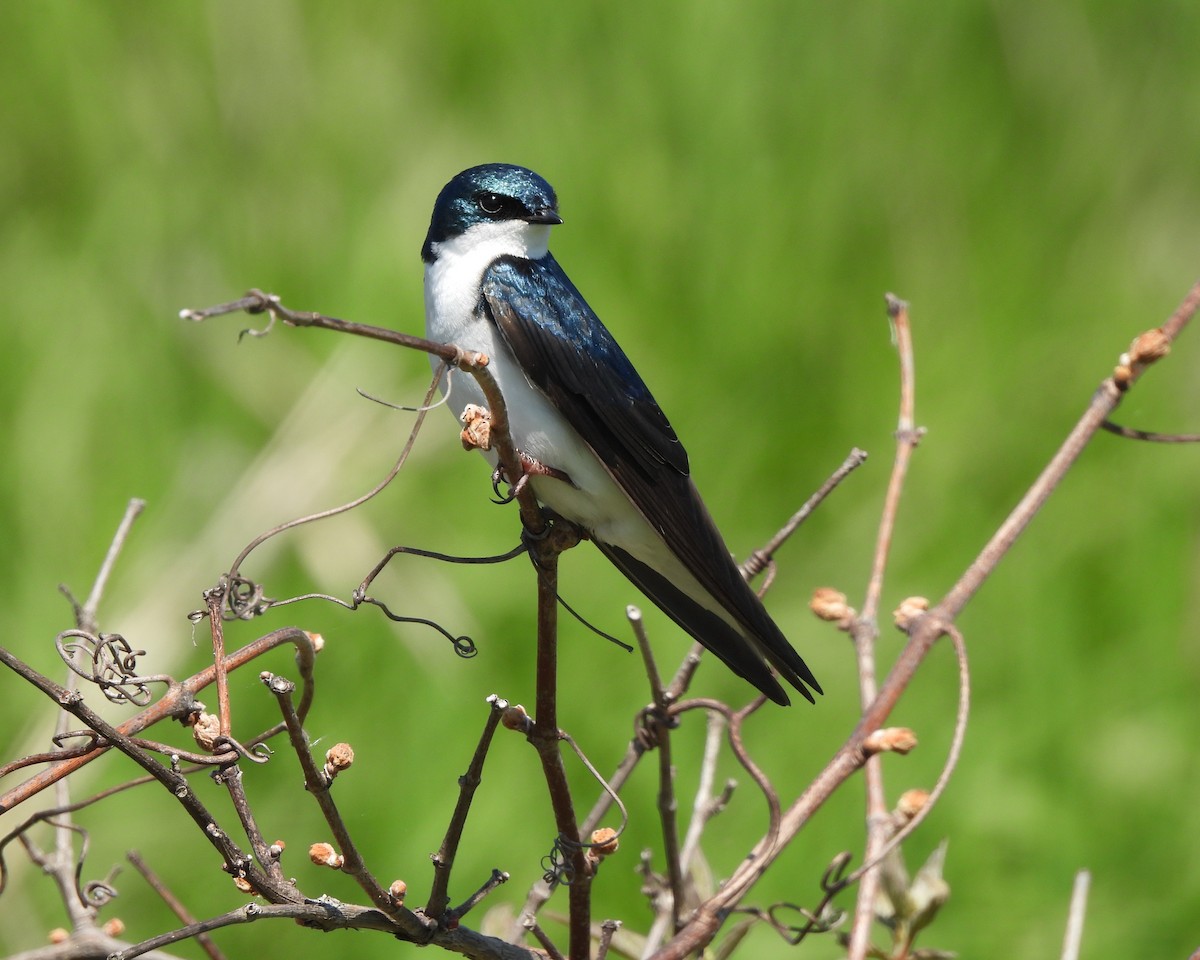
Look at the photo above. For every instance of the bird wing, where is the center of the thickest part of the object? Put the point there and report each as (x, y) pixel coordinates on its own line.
(568, 354)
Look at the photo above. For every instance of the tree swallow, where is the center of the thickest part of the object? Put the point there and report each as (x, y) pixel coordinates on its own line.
(604, 455)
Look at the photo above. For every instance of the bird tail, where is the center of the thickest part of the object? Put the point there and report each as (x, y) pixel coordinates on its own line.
(742, 652)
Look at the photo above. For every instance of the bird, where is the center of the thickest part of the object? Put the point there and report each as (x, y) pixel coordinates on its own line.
(599, 450)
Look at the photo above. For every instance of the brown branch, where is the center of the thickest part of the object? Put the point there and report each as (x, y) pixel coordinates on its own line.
(317, 784)
(1149, 435)
(865, 628)
(925, 632)
(761, 558)
(237, 863)
(471, 362)
(173, 903)
(545, 736)
(443, 860)
(176, 703)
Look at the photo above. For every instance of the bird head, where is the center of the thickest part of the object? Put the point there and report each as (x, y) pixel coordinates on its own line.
(494, 193)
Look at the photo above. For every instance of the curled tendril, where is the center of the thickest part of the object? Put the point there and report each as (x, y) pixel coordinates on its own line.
(827, 920)
(259, 753)
(89, 737)
(833, 880)
(464, 646)
(556, 865)
(97, 893)
(648, 724)
(244, 599)
(107, 660)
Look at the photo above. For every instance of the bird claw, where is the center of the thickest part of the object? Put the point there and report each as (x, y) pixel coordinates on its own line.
(530, 467)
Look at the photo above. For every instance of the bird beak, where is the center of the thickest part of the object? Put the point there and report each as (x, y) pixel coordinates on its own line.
(547, 215)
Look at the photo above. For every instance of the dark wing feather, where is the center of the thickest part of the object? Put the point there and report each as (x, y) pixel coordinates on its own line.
(568, 354)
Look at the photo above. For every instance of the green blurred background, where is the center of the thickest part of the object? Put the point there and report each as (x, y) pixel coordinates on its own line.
(741, 184)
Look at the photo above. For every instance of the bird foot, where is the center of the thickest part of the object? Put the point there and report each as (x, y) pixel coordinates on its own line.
(530, 467)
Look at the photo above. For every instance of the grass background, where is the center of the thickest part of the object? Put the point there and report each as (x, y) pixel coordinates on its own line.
(741, 184)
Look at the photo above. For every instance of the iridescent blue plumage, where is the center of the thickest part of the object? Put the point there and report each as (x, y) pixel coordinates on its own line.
(576, 405)
(519, 192)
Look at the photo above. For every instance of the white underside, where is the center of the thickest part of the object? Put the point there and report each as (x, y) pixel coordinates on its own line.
(595, 501)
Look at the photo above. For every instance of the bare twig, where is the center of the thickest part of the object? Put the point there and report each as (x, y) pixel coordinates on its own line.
(608, 930)
(529, 922)
(443, 860)
(763, 557)
(706, 804)
(86, 617)
(1149, 435)
(176, 703)
(316, 783)
(545, 737)
(498, 878)
(865, 628)
(176, 905)
(471, 362)
(925, 632)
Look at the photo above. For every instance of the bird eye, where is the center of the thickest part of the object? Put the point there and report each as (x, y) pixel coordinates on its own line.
(490, 203)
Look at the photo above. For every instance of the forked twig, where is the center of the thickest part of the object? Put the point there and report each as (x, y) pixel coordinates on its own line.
(443, 860)
(925, 631)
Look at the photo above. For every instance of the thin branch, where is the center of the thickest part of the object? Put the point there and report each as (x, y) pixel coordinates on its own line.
(1131, 434)
(322, 914)
(865, 629)
(545, 738)
(317, 783)
(529, 922)
(443, 860)
(214, 600)
(176, 703)
(608, 930)
(471, 362)
(706, 805)
(668, 809)
(925, 632)
(497, 879)
(175, 905)
(86, 617)
(895, 837)
(760, 559)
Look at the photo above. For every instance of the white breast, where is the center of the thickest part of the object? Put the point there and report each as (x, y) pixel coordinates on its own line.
(452, 280)
(539, 430)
